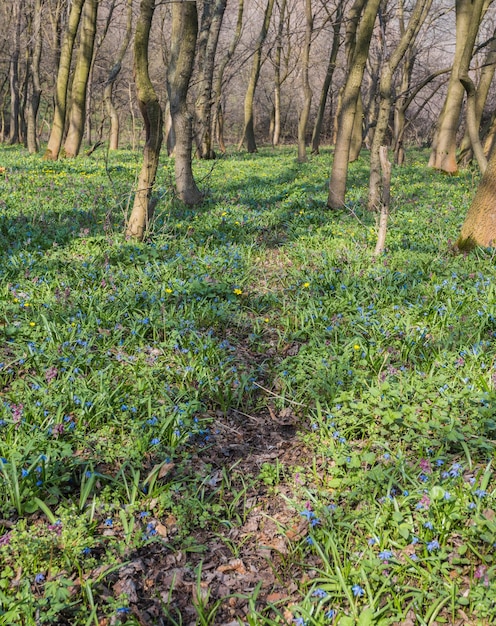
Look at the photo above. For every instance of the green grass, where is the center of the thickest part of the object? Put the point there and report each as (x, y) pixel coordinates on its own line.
(115, 358)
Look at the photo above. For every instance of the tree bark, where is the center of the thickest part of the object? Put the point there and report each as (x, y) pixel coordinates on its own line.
(218, 121)
(307, 91)
(182, 57)
(249, 129)
(481, 94)
(113, 74)
(407, 39)
(443, 154)
(35, 86)
(351, 92)
(57, 130)
(17, 11)
(211, 22)
(80, 82)
(278, 80)
(331, 66)
(153, 120)
(479, 227)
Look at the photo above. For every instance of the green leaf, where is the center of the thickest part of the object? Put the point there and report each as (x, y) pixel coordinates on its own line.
(366, 617)
(404, 530)
(437, 493)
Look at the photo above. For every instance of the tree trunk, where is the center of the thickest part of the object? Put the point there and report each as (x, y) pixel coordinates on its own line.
(408, 37)
(481, 94)
(249, 129)
(57, 130)
(218, 121)
(113, 74)
(212, 16)
(307, 91)
(443, 154)
(479, 228)
(331, 66)
(80, 82)
(351, 92)
(276, 127)
(35, 87)
(182, 57)
(14, 73)
(152, 118)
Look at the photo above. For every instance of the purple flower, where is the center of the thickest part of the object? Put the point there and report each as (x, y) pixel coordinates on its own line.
(5, 539)
(39, 578)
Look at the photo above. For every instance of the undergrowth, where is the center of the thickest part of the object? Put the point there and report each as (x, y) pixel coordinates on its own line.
(116, 357)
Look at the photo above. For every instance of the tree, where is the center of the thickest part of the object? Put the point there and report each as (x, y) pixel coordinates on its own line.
(34, 82)
(112, 77)
(211, 22)
(351, 94)
(468, 18)
(57, 130)
(218, 122)
(307, 91)
(17, 11)
(479, 227)
(153, 119)
(331, 66)
(182, 57)
(84, 59)
(249, 129)
(407, 39)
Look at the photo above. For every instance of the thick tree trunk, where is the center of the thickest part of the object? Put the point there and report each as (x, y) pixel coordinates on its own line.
(479, 228)
(182, 57)
(113, 74)
(57, 130)
(35, 87)
(443, 154)
(80, 81)
(212, 16)
(307, 91)
(153, 120)
(351, 92)
(249, 129)
(331, 66)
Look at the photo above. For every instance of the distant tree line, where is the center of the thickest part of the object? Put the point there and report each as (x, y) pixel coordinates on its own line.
(199, 74)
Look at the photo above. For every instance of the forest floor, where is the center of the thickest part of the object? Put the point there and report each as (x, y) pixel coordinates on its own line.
(247, 418)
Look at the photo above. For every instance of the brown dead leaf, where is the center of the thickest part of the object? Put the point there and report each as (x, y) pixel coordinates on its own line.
(161, 529)
(275, 597)
(165, 469)
(235, 565)
(489, 514)
(297, 532)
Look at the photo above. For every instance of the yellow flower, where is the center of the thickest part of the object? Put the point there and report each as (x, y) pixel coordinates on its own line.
(238, 291)
(168, 290)
(26, 305)
(306, 285)
(32, 324)
(223, 214)
(16, 300)
(266, 320)
(356, 347)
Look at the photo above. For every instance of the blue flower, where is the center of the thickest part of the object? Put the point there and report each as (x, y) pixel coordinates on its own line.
(155, 441)
(319, 593)
(429, 525)
(385, 555)
(358, 591)
(480, 493)
(39, 578)
(331, 614)
(433, 545)
(299, 621)
(109, 522)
